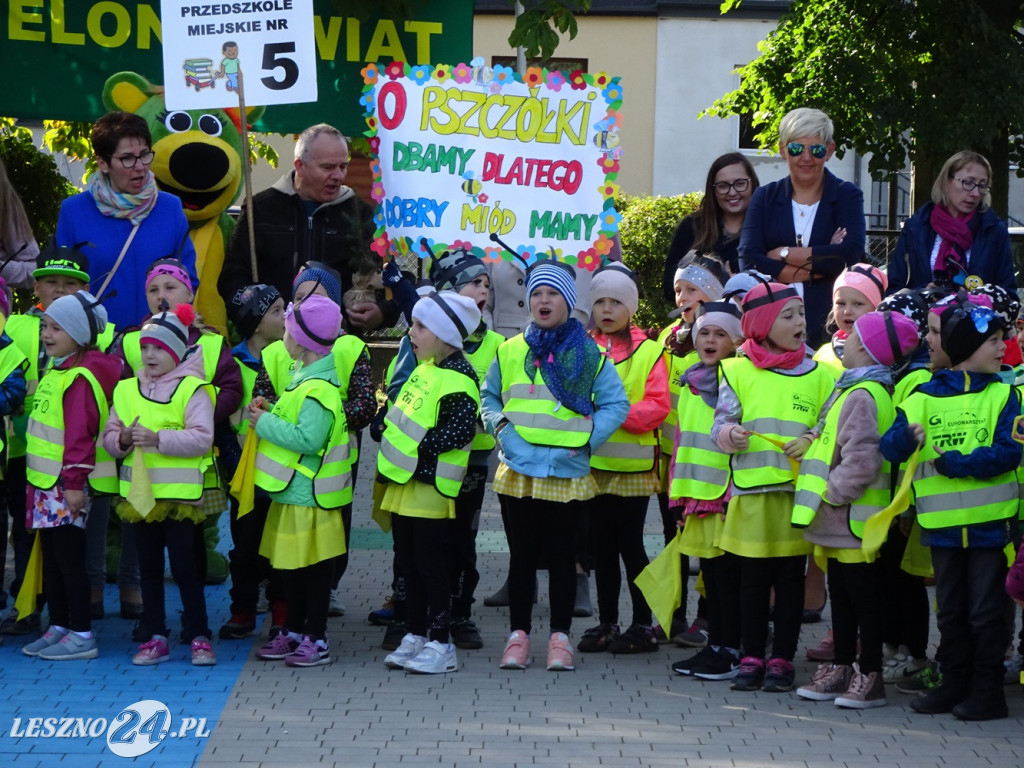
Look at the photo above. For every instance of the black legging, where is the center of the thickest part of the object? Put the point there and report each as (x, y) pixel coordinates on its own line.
(307, 593)
(423, 554)
(722, 585)
(464, 575)
(758, 575)
(907, 609)
(67, 588)
(857, 592)
(617, 526)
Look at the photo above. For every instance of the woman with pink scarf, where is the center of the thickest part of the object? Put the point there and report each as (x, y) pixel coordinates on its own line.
(956, 237)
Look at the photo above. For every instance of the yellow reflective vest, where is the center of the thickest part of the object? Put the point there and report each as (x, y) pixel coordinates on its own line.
(211, 344)
(676, 366)
(45, 433)
(701, 468)
(826, 356)
(777, 406)
(280, 367)
(411, 416)
(814, 468)
(960, 422)
(172, 477)
(11, 359)
(625, 451)
(481, 360)
(532, 408)
(239, 423)
(276, 465)
(24, 332)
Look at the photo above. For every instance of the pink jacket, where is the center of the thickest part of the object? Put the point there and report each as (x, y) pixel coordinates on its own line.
(196, 438)
(650, 412)
(80, 433)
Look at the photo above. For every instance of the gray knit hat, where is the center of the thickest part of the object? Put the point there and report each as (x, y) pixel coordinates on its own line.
(80, 315)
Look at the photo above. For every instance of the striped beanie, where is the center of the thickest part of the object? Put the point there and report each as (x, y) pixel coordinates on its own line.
(169, 331)
(553, 274)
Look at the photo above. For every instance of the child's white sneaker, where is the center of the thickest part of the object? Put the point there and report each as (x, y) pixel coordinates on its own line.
(435, 659)
(408, 650)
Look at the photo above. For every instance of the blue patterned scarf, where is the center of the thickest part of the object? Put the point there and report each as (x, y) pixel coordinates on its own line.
(568, 360)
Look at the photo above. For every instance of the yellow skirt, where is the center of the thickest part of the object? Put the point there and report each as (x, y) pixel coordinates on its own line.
(164, 510)
(295, 536)
(700, 535)
(627, 484)
(417, 499)
(508, 482)
(840, 554)
(757, 525)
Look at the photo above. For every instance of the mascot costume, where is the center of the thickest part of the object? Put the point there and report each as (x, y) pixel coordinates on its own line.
(199, 159)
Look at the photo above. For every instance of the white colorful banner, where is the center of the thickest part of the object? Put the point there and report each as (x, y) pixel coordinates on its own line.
(208, 47)
(466, 153)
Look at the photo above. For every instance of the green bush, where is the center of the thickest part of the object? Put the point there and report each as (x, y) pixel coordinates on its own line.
(646, 230)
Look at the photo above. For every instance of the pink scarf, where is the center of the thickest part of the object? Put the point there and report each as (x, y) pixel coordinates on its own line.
(762, 357)
(956, 241)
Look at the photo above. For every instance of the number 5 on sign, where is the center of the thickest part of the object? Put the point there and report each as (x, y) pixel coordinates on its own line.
(211, 50)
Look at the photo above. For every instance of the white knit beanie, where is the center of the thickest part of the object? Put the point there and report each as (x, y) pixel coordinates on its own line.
(448, 316)
(80, 315)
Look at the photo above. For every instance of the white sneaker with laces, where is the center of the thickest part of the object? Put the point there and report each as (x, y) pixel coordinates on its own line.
(435, 659)
(409, 649)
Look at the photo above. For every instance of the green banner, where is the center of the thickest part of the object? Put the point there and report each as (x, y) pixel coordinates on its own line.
(58, 54)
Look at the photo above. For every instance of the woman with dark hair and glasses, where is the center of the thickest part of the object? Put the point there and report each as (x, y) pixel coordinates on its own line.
(122, 221)
(715, 226)
(805, 229)
(956, 237)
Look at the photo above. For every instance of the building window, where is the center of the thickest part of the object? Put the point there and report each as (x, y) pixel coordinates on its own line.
(566, 65)
(747, 133)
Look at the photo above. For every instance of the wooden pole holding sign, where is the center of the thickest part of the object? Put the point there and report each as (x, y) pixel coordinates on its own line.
(247, 175)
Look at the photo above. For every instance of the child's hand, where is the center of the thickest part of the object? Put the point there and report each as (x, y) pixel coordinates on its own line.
(739, 437)
(917, 431)
(124, 435)
(255, 409)
(797, 447)
(75, 500)
(144, 436)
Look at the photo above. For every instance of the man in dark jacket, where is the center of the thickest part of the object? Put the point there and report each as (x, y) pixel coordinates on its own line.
(309, 215)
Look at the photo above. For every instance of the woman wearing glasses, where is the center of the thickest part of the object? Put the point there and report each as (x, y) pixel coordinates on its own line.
(715, 226)
(957, 236)
(121, 221)
(808, 227)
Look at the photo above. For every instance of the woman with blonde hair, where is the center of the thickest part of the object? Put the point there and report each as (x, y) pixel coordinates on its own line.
(18, 247)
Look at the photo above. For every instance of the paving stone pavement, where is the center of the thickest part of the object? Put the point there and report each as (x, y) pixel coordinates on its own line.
(612, 711)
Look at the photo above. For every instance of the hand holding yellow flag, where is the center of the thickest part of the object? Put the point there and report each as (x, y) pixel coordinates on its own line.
(793, 463)
(32, 582)
(876, 527)
(243, 483)
(140, 493)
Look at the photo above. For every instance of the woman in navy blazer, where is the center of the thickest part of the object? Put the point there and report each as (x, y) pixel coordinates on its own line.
(980, 243)
(808, 227)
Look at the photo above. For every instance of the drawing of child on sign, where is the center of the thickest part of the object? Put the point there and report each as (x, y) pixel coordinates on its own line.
(230, 66)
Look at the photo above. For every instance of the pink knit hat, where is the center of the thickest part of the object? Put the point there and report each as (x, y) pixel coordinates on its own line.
(762, 305)
(866, 279)
(315, 323)
(886, 336)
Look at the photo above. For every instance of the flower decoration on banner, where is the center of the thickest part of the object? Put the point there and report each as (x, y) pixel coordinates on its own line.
(614, 120)
(461, 245)
(600, 79)
(493, 254)
(378, 219)
(369, 94)
(603, 245)
(377, 191)
(374, 143)
(534, 77)
(589, 259)
(609, 190)
(556, 80)
(503, 75)
(375, 167)
(463, 73)
(370, 74)
(371, 124)
(395, 69)
(610, 220)
(578, 80)
(527, 253)
(442, 72)
(608, 163)
(380, 245)
(421, 74)
(612, 93)
(482, 197)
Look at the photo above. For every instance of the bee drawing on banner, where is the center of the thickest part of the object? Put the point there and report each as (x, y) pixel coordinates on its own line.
(483, 76)
(472, 187)
(607, 139)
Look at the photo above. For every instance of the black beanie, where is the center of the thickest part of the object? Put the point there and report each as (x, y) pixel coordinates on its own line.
(249, 305)
(964, 326)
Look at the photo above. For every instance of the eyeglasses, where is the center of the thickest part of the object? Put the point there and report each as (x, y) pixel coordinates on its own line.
(129, 161)
(723, 187)
(795, 149)
(970, 185)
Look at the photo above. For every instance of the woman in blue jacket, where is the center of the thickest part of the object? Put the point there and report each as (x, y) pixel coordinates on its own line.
(808, 227)
(957, 235)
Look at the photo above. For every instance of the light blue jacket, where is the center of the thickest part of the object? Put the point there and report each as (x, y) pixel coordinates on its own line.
(611, 406)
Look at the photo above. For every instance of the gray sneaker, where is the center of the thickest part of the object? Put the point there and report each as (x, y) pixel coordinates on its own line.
(52, 636)
(71, 648)
(336, 608)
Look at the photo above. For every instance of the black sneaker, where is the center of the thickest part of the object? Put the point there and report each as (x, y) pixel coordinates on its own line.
(939, 700)
(780, 677)
(597, 639)
(465, 635)
(750, 675)
(636, 639)
(393, 636)
(238, 627)
(700, 659)
(719, 665)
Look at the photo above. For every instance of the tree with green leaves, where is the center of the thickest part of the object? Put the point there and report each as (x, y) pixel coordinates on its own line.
(901, 80)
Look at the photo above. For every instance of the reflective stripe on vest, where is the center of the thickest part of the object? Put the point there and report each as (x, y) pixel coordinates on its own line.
(701, 469)
(538, 417)
(960, 422)
(280, 367)
(625, 451)
(676, 366)
(172, 477)
(812, 483)
(24, 331)
(413, 413)
(44, 461)
(777, 406)
(277, 465)
(481, 360)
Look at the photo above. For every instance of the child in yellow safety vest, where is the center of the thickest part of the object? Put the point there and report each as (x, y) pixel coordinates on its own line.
(844, 481)
(161, 425)
(625, 468)
(550, 401)
(699, 491)
(13, 365)
(857, 291)
(65, 467)
(769, 397)
(424, 454)
(257, 312)
(304, 462)
(699, 278)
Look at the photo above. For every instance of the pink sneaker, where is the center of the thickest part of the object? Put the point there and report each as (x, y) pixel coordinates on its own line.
(202, 653)
(309, 653)
(517, 651)
(153, 652)
(280, 645)
(825, 650)
(560, 653)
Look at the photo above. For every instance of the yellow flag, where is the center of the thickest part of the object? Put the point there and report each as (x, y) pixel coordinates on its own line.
(662, 583)
(380, 516)
(243, 484)
(794, 465)
(32, 583)
(140, 492)
(876, 527)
